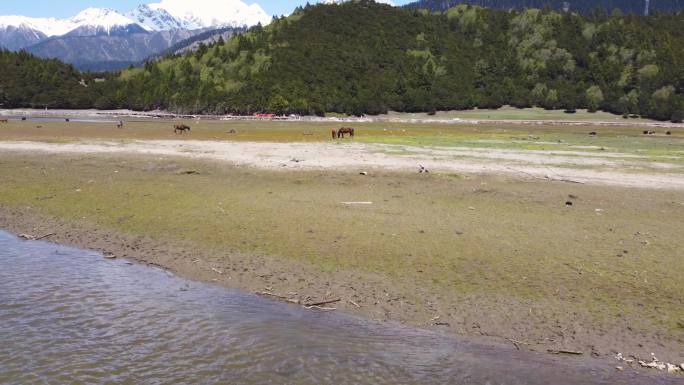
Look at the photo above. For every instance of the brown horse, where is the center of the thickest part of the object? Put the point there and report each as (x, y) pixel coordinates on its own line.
(3, 121)
(345, 130)
(180, 128)
(334, 133)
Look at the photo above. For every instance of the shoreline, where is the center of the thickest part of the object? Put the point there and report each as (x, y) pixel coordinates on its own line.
(390, 118)
(360, 293)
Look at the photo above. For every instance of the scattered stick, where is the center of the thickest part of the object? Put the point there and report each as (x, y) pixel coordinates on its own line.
(268, 294)
(315, 304)
(281, 297)
(354, 303)
(356, 203)
(217, 271)
(573, 352)
(44, 236)
(517, 343)
(320, 308)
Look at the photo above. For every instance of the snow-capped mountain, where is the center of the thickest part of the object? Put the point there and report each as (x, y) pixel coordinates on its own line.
(16, 37)
(47, 26)
(197, 14)
(102, 21)
(156, 19)
(91, 21)
(100, 38)
(166, 15)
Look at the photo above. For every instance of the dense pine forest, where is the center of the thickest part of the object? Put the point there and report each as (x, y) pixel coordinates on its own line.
(366, 58)
(28, 81)
(581, 6)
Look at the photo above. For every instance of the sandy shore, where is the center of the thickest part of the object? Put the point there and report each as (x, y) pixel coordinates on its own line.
(604, 168)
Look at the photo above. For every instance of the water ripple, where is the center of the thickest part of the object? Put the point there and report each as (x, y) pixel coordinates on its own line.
(69, 316)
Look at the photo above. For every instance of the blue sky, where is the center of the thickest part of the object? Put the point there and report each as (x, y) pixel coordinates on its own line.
(67, 8)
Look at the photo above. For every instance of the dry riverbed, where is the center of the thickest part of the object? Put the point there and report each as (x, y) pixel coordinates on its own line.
(578, 166)
(500, 242)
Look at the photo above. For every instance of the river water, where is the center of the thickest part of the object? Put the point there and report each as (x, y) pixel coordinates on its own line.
(69, 316)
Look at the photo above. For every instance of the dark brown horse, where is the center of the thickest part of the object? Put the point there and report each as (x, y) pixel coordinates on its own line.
(3, 121)
(345, 130)
(180, 128)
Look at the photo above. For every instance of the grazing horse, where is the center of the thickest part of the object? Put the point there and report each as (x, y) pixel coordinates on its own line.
(120, 124)
(180, 128)
(334, 133)
(67, 120)
(3, 121)
(345, 130)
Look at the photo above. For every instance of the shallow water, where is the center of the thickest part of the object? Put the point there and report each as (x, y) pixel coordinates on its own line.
(69, 316)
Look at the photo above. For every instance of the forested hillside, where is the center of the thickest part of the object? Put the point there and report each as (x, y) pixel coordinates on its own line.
(582, 6)
(365, 58)
(361, 57)
(27, 81)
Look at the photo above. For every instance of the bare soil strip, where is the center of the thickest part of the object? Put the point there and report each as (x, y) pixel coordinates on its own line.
(603, 168)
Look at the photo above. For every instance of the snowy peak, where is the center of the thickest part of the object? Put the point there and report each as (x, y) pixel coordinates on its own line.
(47, 26)
(214, 13)
(103, 21)
(165, 15)
(101, 17)
(156, 19)
(88, 21)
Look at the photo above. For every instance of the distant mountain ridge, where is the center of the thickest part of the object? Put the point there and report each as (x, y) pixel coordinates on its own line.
(100, 38)
(581, 6)
(108, 52)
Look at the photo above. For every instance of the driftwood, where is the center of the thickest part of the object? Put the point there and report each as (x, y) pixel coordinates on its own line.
(573, 352)
(322, 302)
(321, 308)
(517, 343)
(29, 237)
(354, 303)
(308, 305)
(282, 297)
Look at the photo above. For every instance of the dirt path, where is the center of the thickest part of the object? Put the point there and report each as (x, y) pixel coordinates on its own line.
(604, 168)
